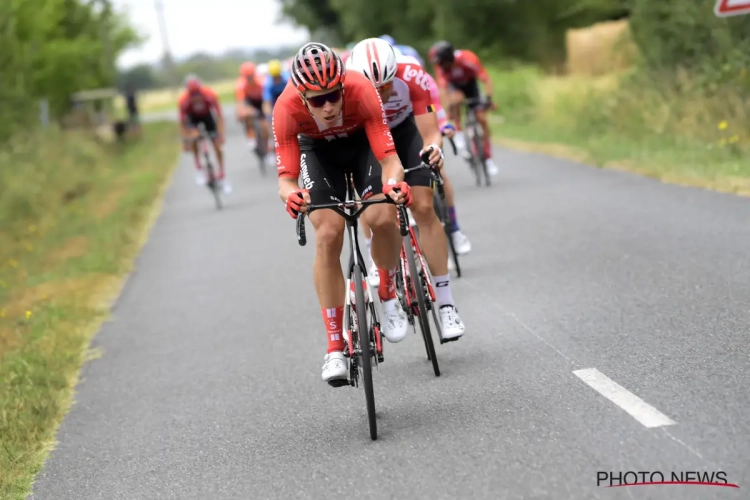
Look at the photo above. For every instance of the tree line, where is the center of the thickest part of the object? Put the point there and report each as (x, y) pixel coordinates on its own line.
(50, 49)
(669, 34)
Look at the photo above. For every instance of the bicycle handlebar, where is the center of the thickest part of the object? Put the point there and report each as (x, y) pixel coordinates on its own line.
(339, 209)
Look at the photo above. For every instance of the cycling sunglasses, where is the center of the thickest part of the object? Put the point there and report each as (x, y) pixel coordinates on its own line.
(320, 100)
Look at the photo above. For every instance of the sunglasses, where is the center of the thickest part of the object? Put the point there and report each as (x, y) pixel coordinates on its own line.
(320, 100)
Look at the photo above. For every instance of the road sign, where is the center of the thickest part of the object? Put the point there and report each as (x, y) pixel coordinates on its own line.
(726, 8)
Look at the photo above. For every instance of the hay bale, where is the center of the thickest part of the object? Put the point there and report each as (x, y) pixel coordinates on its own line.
(600, 49)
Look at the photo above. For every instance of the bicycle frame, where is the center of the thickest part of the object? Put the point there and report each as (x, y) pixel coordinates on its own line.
(350, 210)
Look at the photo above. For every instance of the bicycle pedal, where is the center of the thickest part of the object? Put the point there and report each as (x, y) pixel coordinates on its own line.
(380, 358)
(339, 382)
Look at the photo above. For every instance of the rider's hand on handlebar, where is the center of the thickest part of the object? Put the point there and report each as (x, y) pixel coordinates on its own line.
(400, 192)
(297, 202)
(436, 155)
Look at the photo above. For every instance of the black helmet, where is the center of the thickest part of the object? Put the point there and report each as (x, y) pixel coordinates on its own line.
(442, 52)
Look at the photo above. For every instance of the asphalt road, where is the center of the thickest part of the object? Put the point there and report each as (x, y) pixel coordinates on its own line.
(209, 384)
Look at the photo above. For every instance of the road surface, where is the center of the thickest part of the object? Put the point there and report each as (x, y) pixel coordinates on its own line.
(607, 330)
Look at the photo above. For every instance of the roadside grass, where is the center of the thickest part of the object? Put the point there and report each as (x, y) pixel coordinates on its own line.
(669, 131)
(159, 100)
(73, 214)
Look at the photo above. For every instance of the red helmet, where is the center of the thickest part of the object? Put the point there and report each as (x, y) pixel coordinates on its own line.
(192, 84)
(317, 67)
(247, 69)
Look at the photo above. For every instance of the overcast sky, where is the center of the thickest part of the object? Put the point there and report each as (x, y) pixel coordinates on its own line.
(207, 25)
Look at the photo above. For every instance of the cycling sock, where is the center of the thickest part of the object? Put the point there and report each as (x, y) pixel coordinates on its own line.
(334, 320)
(387, 286)
(454, 221)
(368, 242)
(443, 290)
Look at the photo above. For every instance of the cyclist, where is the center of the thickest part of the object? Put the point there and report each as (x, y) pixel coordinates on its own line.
(405, 90)
(249, 97)
(456, 72)
(403, 49)
(460, 241)
(199, 104)
(276, 80)
(321, 130)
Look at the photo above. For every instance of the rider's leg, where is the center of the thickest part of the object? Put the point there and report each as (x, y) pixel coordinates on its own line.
(386, 239)
(327, 274)
(372, 272)
(460, 241)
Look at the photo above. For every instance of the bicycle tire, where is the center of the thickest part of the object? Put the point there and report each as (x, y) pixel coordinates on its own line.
(212, 184)
(424, 322)
(261, 145)
(442, 212)
(366, 353)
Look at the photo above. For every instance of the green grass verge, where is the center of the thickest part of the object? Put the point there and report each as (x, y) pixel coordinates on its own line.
(73, 214)
(676, 137)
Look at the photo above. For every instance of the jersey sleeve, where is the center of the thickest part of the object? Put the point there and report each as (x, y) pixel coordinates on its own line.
(239, 90)
(418, 82)
(440, 77)
(182, 107)
(471, 60)
(373, 116)
(285, 139)
(213, 101)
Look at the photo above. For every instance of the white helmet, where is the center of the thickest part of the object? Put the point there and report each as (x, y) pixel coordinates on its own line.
(376, 59)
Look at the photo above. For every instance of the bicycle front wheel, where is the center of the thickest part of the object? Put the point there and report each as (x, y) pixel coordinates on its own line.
(363, 337)
(424, 322)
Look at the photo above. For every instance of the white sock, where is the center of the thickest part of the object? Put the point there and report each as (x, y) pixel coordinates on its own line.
(368, 242)
(443, 290)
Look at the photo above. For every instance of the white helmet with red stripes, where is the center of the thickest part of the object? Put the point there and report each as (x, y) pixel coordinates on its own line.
(376, 59)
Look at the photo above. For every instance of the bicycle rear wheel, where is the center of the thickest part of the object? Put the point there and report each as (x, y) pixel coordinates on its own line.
(363, 338)
(213, 184)
(480, 156)
(424, 322)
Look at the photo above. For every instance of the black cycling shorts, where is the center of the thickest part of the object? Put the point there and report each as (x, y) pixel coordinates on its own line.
(409, 143)
(257, 104)
(470, 90)
(207, 120)
(323, 163)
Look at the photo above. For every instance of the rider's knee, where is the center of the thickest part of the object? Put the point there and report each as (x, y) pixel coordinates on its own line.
(329, 237)
(422, 207)
(382, 219)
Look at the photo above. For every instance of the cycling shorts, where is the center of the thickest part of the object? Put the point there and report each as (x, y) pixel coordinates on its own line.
(207, 120)
(470, 90)
(323, 163)
(257, 104)
(409, 143)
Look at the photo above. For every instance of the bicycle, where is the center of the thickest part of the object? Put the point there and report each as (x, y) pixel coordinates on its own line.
(261, 146)
(213, 184)
(356, 322)
(478, 159)
(441, 209)
(414, 284)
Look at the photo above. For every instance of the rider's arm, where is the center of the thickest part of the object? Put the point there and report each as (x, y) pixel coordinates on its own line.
(287, 150)
(379, 134)
(473, 61)
(267, 97)
(424, 110)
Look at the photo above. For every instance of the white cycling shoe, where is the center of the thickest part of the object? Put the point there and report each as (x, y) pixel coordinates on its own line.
(335, 369)
(395, 325)
(491, 167)
(461, 243)
(452, 326)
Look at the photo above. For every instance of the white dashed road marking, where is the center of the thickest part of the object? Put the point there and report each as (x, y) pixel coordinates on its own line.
(643, 412)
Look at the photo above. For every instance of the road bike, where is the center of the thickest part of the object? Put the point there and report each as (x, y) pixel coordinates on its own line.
(213, 183)
(475, 141)
(362, 338)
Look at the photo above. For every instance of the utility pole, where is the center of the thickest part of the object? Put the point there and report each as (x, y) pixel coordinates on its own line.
(167, 60)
